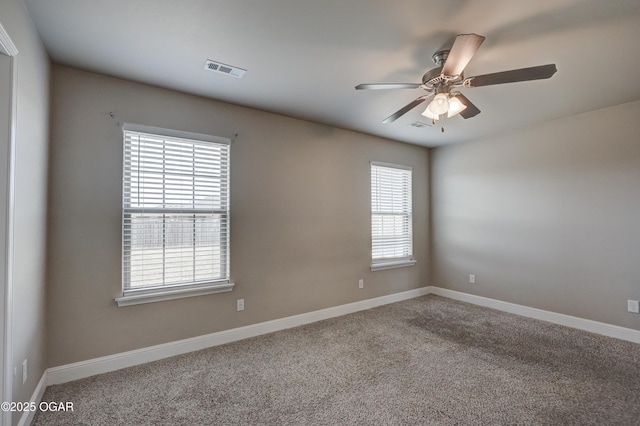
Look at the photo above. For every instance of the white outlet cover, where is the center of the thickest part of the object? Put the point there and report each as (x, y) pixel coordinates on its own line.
(633, 306)
(240, 305)
(472, 279)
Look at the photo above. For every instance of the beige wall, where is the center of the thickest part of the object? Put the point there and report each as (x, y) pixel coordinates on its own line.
(30, 214)
(300, 215)
(547, 217)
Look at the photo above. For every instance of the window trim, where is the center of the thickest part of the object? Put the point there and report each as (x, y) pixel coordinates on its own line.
(396, 262)
(380, 266)
(134, 296)
(148, 295)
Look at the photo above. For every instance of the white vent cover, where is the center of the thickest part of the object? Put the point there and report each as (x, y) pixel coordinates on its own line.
(419, 124)
(224, 68)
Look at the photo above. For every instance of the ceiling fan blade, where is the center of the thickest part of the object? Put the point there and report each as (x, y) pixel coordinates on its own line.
(379, 86)
(461, 53)
(402, 111)
(471, 110)
(523, 74)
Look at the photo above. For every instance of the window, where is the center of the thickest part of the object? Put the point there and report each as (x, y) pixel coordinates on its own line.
(175, 215)
(391, 217)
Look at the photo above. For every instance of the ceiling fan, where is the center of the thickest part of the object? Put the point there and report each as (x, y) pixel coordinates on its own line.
(441, 82)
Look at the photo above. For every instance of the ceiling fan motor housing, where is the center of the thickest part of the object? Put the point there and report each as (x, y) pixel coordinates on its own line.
(433, 79)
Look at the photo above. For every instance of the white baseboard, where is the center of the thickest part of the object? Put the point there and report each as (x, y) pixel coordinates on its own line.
(36, 397)
(91, 367)
(539, 314)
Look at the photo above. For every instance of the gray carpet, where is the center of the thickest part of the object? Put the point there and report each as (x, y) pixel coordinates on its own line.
(428, 360)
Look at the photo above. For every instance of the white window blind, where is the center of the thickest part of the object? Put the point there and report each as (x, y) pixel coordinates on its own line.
(175, 211)
(391, 213)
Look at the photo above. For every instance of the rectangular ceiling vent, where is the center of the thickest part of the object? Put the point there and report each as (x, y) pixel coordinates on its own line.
(224, 68)
(419, 124)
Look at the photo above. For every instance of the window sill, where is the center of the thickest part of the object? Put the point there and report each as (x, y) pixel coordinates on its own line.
(176, 293)
(392, 264)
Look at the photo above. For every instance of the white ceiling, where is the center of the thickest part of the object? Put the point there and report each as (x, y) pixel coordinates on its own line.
(304, 57)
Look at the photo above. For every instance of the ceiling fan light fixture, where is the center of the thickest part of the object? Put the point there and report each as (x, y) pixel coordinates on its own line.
(439, 104)
(455, 107)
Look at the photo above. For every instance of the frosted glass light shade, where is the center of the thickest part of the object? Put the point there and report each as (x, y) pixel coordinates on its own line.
(427, 113)
(439, 104)
(455, 106)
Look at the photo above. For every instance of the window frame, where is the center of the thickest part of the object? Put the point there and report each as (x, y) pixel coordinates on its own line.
(162, 292)
(378, 264)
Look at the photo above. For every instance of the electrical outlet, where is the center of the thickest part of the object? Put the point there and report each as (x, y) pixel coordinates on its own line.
(360, 283)
(633, 306)
(472, 279)
(240, 304)
(24, 371)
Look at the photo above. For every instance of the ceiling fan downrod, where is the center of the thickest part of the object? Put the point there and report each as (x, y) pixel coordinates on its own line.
(440, 57)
